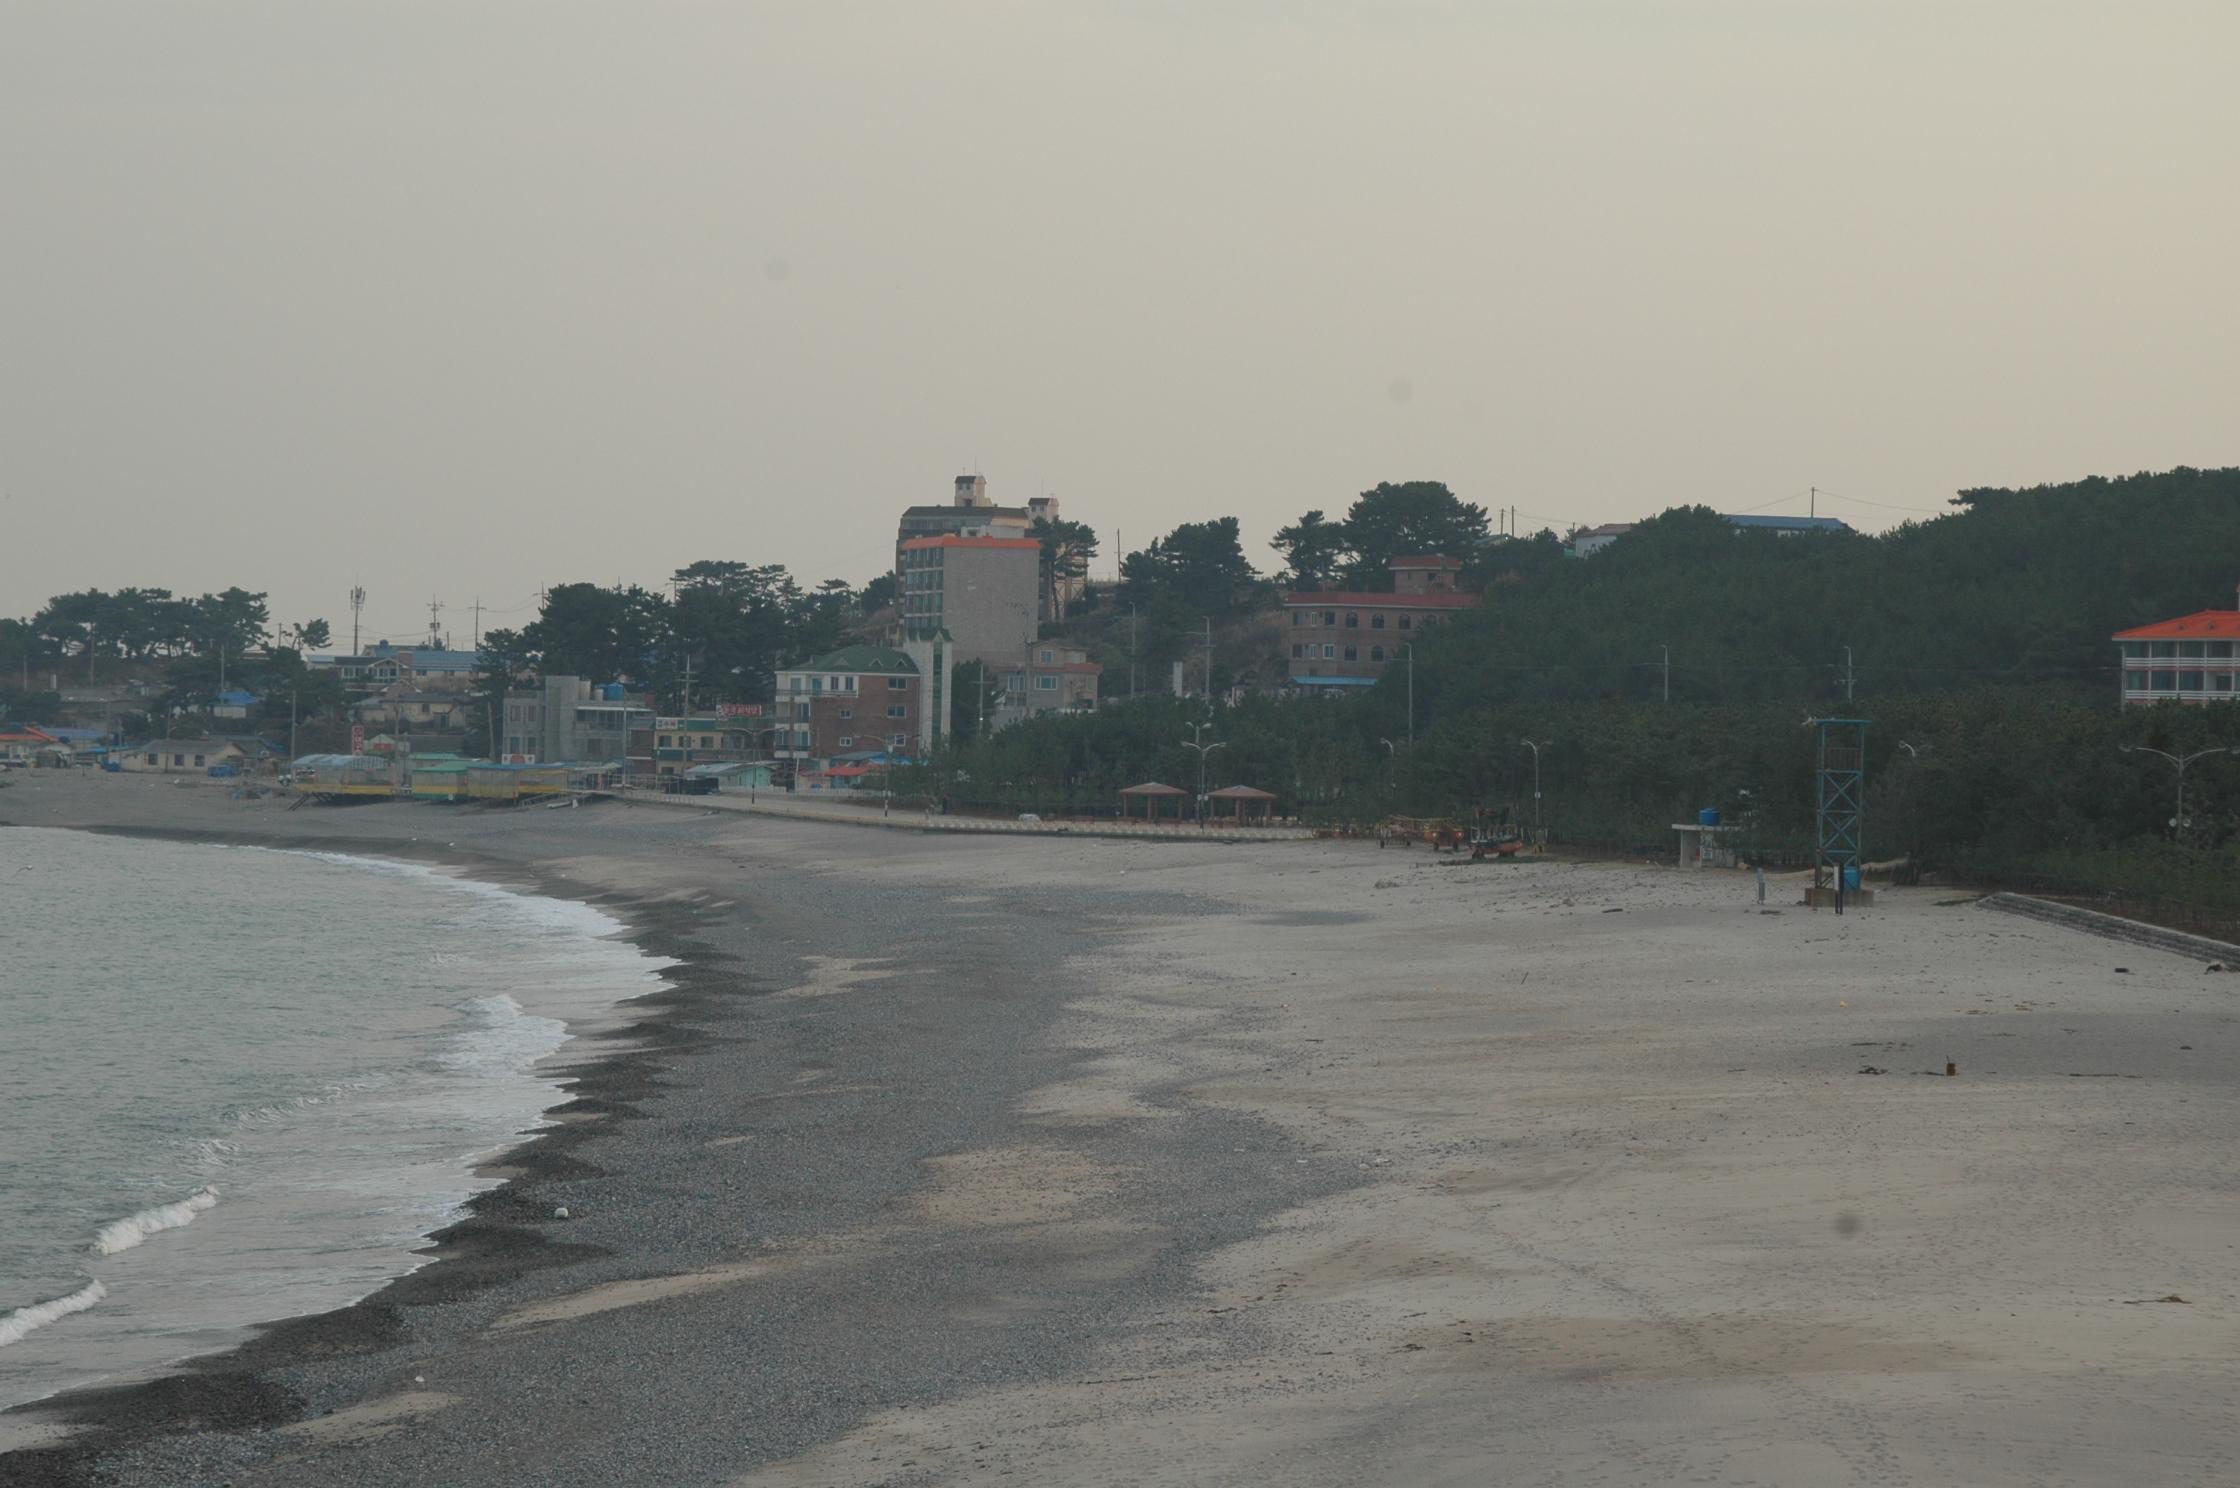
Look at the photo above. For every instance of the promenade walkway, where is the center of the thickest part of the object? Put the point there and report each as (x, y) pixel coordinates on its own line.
(915, 819)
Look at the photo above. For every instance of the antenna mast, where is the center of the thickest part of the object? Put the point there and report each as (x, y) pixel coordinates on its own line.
(357, 603)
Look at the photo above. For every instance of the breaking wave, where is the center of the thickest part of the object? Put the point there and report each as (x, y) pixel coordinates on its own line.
(16, 1324)
(126, 1233)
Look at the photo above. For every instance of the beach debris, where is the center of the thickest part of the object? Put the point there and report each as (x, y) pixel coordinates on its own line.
(561, 1212)
(1847, 1224)
(1871, 1070)
(2215, 966)
(419, 1379)
(2151, 1301)
(2123, 971)
(1950, 1068)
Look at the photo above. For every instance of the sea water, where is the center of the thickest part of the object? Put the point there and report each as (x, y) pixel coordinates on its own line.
(239, 1084)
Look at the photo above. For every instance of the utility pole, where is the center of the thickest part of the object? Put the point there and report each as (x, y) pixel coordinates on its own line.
(357, 603)
(2178, 824)
(1197, 732)
(1411, 694)
(478, 624)
(1209, 661)
(435, 627)
(1132, 651)
(291, 726)
(1536, 748)
(1667, 650)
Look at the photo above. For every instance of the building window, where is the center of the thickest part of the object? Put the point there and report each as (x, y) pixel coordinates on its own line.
(2222, 681)
(1353, 622)
(1406, 623)
(897, 684)
(1376, 622)
(847, 743)
(2221, 650)
(2189, 649)
(1298, 617)
(1329, 617)
(1353, 653)
(2189, 682)
(198, 761)
(1297, 652)
(178, 762)
(800, 710)
(2135, 681)
(898, 741)
(801, 739)
(1046, 684)
(2162, 648)
(1329, 653)
(1047, 658)
(2163, 681)
(898, 711)
(155, 759)
(847, 712)
(1376, 653)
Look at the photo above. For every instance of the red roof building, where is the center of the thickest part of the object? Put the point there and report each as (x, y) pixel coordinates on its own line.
(1342, 640)
(2189, 660)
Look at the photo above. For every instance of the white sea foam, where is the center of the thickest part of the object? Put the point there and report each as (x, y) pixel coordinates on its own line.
(24, 1319)
(500, 1038)
(126, 1233)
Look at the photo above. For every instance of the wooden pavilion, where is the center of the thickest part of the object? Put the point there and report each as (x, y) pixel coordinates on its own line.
(1151, 793)
(1244, 799)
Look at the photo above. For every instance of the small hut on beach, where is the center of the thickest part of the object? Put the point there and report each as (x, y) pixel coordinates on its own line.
(1151, 793)
(1243, 799)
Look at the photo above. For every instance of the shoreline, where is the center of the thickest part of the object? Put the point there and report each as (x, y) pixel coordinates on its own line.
(591, 1083)
(1092, 1160)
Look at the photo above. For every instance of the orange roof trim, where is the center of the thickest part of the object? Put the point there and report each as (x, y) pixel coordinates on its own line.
(2220, 623)
(954, 541)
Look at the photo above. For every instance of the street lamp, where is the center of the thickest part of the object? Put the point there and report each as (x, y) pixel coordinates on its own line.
(1197, 731)
(1536, 748)
(1392, 768)
(2178, 823)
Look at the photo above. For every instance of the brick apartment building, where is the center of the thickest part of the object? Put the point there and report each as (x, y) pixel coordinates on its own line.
(1342, 639)
(857, 700)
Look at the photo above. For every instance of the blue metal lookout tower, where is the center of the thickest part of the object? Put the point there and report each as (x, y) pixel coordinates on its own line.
(1841, 790)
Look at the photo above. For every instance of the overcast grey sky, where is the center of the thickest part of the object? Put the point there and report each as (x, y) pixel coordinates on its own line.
(460, 299)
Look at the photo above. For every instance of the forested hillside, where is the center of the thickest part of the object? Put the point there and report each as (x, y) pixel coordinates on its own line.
(2013, 586)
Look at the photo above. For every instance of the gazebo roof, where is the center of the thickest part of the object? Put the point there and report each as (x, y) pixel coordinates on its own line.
(1153, 788)
(1241, 793)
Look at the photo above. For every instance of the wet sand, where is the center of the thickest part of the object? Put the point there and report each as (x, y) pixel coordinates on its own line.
(1142, 1162)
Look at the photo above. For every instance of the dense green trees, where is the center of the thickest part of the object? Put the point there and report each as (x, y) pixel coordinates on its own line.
(726, 627)
(1410, 519)
(139, 624)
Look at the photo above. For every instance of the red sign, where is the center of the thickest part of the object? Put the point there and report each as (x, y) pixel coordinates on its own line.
(738, 710)
(357, 738)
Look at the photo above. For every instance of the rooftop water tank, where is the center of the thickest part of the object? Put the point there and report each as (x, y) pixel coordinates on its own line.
(1708, 817)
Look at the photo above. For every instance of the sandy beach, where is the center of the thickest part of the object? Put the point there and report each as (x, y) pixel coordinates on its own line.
(1085, 1161)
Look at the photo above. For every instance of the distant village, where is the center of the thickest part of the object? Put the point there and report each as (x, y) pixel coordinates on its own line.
(972, 590)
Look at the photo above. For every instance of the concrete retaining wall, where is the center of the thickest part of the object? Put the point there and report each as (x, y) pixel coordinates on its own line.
(2113, 927)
